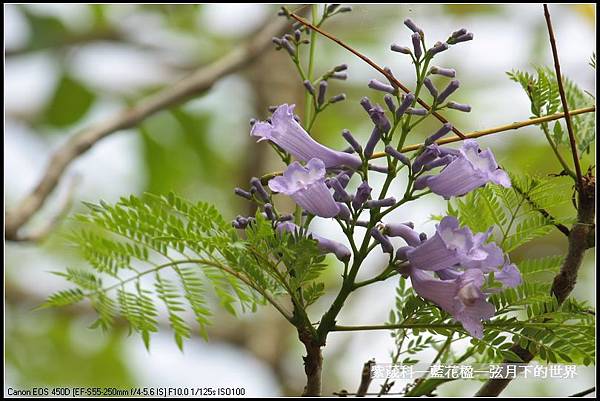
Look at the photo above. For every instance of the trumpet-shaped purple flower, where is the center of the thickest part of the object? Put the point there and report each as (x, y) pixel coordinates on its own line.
(306, 185)
(328, 246)
(461, 297)
(452, 245)
(471, 168)
(285, 131)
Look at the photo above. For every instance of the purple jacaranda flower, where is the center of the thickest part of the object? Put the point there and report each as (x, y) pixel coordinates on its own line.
(437, 48)
(400, 49)
(379, 169)
(471, 169)
(337, 98)
(461, 297)
(416, 111)
(309, 87)
(288, 47)
(389, 101)
(412, 26)
(306, 185)
(447, 72)
(378, 117)
(260, 190)
(352, 141)
(461, 38)
(340, 193)
(362, 195)
(384, 241)
(408, 100)
(329, 246)
(429, 154)
(289, 135)
(322, 91)
(380, 86)
(401, 253)
(375, 203)
(343, 179)
(416, 41)
(410, 236)
(344, 213)
(242, 193)
(509, 276)
(442, 161)
(452, 245)
(430, 87)
(452, 86)
(459, 106)
(458, 33)
(342, 76)
(340, 68)
(397, 155)
(447, 127)
(372, 142)
(269, 212)
(366, 104)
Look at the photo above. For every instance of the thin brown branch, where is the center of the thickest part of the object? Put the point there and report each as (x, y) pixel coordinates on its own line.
(475, 134)
(43, 232)
(365, 378)
(381, 70)
(196, 84)
(563, 99)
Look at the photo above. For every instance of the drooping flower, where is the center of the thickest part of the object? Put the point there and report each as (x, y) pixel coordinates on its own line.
(329, 246)
(285, 131)
(452, 245)
(472, 168)
(461, 297)
(306, 185)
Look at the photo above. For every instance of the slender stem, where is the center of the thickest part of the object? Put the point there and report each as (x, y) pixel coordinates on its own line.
(562, 161)
(311, 63)
(563, 99)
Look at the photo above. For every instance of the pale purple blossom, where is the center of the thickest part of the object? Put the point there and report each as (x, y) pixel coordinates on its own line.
(452, 245)
(306, 186)
(471, 169)
(461, 297)
(285, 132)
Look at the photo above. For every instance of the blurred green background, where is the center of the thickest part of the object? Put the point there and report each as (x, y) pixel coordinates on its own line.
(68, 66)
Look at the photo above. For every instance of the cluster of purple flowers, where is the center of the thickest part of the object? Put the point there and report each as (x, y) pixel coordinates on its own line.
(451, 267)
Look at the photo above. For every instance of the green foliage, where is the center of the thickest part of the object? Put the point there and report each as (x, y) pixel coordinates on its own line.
(542, 89)
(518, 214)
(180, 247)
